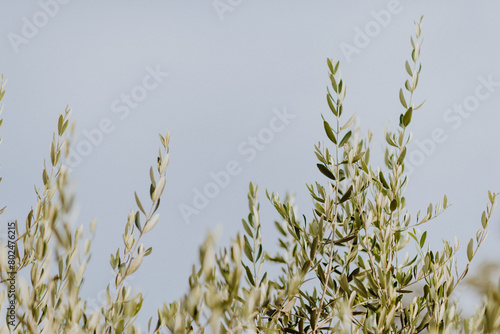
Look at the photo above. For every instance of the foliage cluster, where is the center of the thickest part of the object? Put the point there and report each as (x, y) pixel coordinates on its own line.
(344, 269)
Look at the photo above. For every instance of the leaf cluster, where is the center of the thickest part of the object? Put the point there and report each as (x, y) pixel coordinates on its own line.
(345, 267)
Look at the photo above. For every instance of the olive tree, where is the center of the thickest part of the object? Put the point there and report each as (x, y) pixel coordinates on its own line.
(345, 266)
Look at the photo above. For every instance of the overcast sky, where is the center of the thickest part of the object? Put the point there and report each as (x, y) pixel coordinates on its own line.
(241, 86)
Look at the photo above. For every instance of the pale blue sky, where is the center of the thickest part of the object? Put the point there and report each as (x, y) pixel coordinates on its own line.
(227, 80)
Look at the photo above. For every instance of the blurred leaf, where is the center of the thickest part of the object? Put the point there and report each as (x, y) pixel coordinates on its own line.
(402, 98)
(470, 250)
(408, 68)
(139, 203)
(422, 239)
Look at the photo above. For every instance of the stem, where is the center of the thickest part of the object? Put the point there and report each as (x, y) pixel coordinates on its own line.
(334, 221)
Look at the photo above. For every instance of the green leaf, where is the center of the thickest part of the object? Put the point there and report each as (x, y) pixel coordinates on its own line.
(358, 156)
(389, 140)
(402, 156)
(470, 250)
(152, 177)
(112, 262)
(263, 279)
(151, 223)
(346, 196)
(259, 253)
(280, 229)
(382, 179)
(139, 204)
(344, 284)
(361, 287)
(422, 239)
(60, 125)
(349, 122)
(138, 221)
(345, 239)
(305, 267)
(394, 205)
(331, 104)
(159, 189)
(491, 197)
(407, 117)
(407, 86)
(323, 169)
(45, 176)
(484, 220)
(330, 65)
(345, 139)
(408, 69)
(249, 275)
(321, 274)
(329, 132)
(402, 98)
(247, 228)
(65, 125)
(53, 153)
(314, 247)
(420, 106)
(247, 249)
